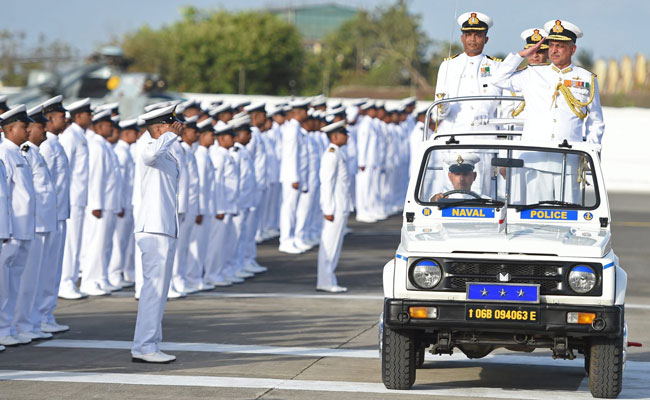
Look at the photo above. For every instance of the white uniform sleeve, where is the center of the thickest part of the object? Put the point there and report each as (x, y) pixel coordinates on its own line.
(506, 77)
(594, 124)
(220, 200)
(97, 173)
(151, 152)
(327, 175)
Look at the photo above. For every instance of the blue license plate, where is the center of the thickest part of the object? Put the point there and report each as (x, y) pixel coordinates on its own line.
(503, 292)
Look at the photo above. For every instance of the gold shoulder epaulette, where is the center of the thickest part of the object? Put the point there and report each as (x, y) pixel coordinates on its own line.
(521, 68)
(494, 58)
(454, 56)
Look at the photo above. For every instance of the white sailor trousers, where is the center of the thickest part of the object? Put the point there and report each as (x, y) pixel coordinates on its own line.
(302, 215)
(181, 256)
(51, 272)
(330, 249)
(120, 260)
(362, 192)
(288, 213)
(241, 225)
(32, 282)
(72, 248)
(12, 262)
(221, 249)
(97, 247)
(157, 260)
(198, 252)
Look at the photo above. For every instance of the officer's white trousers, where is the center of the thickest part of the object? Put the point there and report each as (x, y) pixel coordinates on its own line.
(362, 192)
(221, 249)
(258, 214)
(241, 225)
(198, 252)
(12, 262)
(32, 282)
(51, 272)
(288, 213)
(72, 248)
(97, 247)
(181, 257)
(121, 260)
(374, 192)
(305, 202)
(330, 248)
(273, 207)
(157, 259)
(315, 216)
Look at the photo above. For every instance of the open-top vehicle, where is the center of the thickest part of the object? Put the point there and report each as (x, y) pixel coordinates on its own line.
(505, 244)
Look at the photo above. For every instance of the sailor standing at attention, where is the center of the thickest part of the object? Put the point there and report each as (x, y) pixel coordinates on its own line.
(33, 281)
(336, 204)
(57, 163)
(156, 230)
(74, 143)
(23, 208)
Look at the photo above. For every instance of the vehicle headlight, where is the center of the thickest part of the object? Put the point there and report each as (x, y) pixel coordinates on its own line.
(426, 274)
(582, 278)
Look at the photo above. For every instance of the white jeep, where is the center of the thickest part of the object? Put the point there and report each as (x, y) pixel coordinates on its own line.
(515, 254)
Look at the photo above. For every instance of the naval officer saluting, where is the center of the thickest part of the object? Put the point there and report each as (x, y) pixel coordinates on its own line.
(156, 230)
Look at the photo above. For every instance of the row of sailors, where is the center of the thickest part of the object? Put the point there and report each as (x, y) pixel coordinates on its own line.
(72, 191)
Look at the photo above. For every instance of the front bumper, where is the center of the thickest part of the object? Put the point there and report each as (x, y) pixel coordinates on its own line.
(552, 320)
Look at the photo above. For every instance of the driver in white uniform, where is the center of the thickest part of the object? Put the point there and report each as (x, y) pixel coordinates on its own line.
(461, 175)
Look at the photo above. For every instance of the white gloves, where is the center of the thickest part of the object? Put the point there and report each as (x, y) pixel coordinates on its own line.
(481, 119)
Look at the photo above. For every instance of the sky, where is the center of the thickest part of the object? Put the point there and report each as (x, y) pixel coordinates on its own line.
(612, 28)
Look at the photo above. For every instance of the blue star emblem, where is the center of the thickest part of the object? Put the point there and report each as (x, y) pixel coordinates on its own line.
(502, 292)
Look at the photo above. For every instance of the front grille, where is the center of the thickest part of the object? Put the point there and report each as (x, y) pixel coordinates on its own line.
(550, 276)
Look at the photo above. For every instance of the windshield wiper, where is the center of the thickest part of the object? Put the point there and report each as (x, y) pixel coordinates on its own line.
(547, 202)
(490, 202)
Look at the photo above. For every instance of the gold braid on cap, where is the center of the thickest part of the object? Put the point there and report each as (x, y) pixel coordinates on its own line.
(574, 104)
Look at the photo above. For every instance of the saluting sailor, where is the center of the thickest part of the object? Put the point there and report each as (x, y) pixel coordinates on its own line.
(336, 204)
(562, 101)
(156, 230)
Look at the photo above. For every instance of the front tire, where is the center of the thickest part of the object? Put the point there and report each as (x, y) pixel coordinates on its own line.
(398, 359)
(606, 367)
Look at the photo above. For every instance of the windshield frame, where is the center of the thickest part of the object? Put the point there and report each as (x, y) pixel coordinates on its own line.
(561, 150)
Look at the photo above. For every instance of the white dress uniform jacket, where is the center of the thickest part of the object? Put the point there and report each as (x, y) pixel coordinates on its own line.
(5, 204)
(43, 188)
(56, 160)
(290, 160)
(21, 191)
(548, 116)
(462, 75)
(226, 174)
(334, 183)
(160, 175)
(75, 145)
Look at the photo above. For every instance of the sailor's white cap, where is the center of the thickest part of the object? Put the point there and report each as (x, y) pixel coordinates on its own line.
(562, 30)
(53, 104)
(352, 113)
(191, 121)
(225, 129)
(162, 115)
(368, 105)
(36, 114)
(113, 107)
(461, 162)
(240, 103)
(338, 126)
(102, 116)
(299, 103)
(79, 106)
(116, 120)
(160, 105)
(18, 113)
(205, 125)
(219, 109)
(409, 101)
(256, 106)
(242, 122)
(129, 124)
(318, 101)
(474, 21)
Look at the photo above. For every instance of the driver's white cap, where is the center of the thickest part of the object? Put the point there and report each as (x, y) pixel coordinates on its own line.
(461, 162)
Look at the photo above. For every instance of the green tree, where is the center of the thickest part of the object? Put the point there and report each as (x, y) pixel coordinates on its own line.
(222, 52)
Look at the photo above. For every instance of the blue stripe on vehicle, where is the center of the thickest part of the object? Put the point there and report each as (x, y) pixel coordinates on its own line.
(401, 257)
(609, 265)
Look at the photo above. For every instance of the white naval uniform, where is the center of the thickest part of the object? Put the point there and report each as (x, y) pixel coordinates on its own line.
(221, 247)
(257, 149)
(334, 200)
(246, 201)
(5, 205)
(103, 195)
(75, 145)
(271, 203)
(156, 230)
(367, 158)
(121, 266)
(136, 150)
(549, 118)
(459, 76)
(57, 163)
(289, 174)
(33, 281)
(14, 252)
(276, 186)
(188, 224)
(305, 201)
(196, 267)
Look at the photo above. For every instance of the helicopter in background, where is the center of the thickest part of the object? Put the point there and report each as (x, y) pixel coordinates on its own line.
(103, 78)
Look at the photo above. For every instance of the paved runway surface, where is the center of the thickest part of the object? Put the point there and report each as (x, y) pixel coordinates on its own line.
(274, 337)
